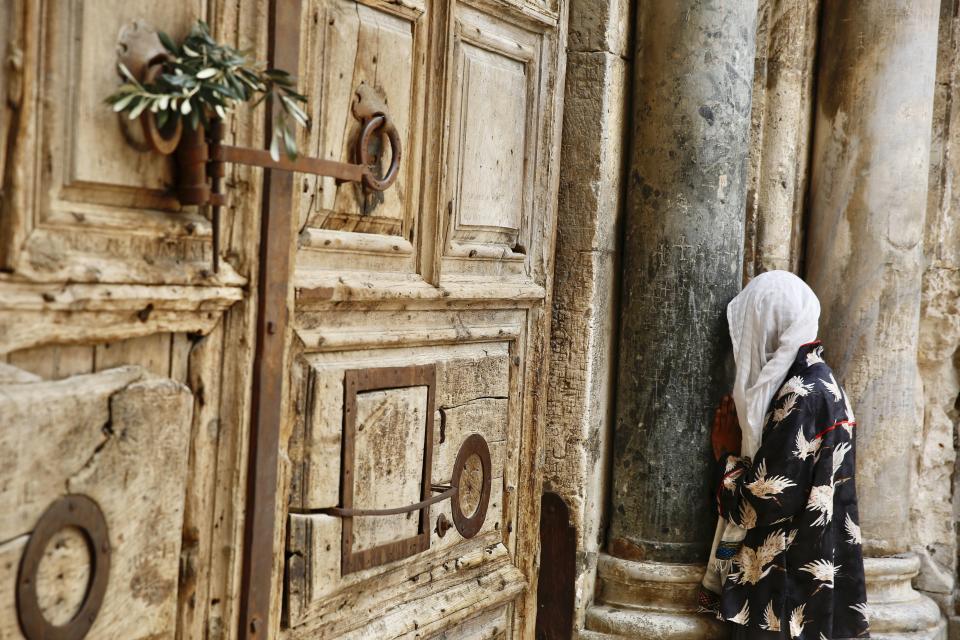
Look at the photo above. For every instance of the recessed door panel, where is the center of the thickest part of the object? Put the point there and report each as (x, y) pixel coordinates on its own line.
(93, 204)
(111, 449)
(449, 270)
(380, 458)
(348, 44)
(492, 157)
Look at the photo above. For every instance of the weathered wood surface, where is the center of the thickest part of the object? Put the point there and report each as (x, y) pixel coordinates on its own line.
(63, 576)
(10, 374)
(420, 596)
(348, 44)
(483, 245)
(50, 429)
(37, 314)
(101, 268)
(163, 354)
(54, 362)
(150, 352)
(244, 25)
(490, 625)
(494, 134)
(70, 218)
(388, 464)
(473, 391)
(203, 374)
(120, 438)
(95, 257)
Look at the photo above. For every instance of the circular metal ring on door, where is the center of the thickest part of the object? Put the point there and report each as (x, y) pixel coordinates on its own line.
(163, 141)
(372, 126)
(68, 511)
(469, 525)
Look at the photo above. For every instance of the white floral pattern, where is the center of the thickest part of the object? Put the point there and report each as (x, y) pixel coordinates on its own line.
(806, 447)
(797, 566)
(813, 357)
(797, 623)
(744, 616)
(822, 570)
(821, 500)
(795, 385)
(767, 488)
(783, 412)
(832, 387)
(770, 620)
(853, 530)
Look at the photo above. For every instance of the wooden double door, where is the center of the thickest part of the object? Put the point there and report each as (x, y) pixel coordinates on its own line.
(356, 352)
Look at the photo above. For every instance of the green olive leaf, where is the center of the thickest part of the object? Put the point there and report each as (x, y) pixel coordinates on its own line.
(204, 79)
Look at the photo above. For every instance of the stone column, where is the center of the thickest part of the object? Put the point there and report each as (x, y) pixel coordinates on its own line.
(877, 66)
(780, 136)
(682, 263)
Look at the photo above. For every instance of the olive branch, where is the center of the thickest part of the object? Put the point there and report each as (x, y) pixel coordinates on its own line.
(202, 78)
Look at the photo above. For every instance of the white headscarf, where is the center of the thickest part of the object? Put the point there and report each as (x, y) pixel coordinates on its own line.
(774, 315)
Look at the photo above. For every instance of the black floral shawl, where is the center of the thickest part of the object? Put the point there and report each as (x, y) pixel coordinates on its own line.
(800, 568)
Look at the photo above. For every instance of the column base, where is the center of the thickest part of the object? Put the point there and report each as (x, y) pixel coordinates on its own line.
(897, 611)
(641, 600)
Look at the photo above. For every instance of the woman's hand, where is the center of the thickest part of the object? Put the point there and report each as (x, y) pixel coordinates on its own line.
(726, 428)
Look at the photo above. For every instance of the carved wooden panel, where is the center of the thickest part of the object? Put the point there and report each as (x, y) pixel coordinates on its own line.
(476, 392)
(489, 625)
(99, 209)
(491, 172)
(387, 462)
(119, 438)
(347, 44)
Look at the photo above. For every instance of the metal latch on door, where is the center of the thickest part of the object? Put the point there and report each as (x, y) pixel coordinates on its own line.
(200, 154)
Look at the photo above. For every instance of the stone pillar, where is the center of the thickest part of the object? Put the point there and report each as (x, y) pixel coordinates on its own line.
(877, 66)
(682, 263)
(579, 414)
(780, 135)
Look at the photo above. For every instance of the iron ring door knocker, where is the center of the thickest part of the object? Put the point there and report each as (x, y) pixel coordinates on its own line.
(164, 140)
(68, 511)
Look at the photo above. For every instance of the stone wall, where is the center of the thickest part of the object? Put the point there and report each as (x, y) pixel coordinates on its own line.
(576, 460)
(576, 464)
(584, 331)
(935, 508)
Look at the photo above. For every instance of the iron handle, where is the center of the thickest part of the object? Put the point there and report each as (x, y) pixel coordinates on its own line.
(448, 492)
(200, 156)
(316, 166)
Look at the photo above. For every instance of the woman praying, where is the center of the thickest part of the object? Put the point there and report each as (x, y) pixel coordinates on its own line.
(786, 560)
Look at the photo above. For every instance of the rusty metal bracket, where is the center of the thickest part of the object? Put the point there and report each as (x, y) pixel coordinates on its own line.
(69, 511)
(201, 155)
(357, 381)
(447, 493)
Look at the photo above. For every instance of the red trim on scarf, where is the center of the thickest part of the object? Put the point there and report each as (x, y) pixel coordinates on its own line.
(807, 344)
(834, 426)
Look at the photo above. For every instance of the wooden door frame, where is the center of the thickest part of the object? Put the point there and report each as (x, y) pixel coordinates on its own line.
(269, 370)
